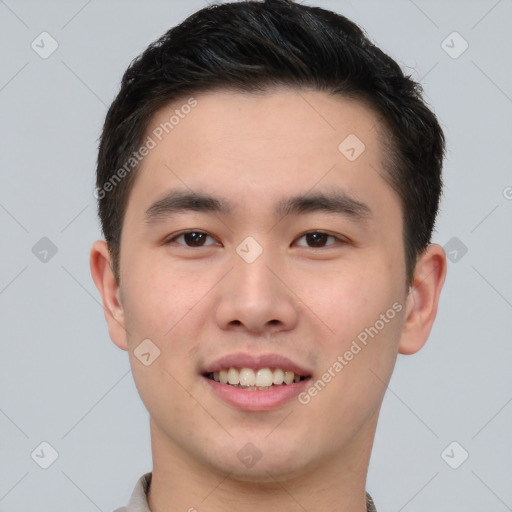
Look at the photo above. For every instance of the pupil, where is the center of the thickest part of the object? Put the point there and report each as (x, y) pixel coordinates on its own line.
(316, 239)
(194, 237)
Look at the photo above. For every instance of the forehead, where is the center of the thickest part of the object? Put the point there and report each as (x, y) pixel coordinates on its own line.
(249, 146)
(224, 117)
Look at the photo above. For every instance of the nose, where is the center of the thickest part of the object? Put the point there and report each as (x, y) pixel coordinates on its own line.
(256, 297)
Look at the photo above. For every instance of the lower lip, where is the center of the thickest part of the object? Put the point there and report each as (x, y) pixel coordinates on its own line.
(257, 400)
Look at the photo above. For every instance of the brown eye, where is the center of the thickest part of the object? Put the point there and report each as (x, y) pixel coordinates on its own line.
(191, 238)
(318, 239)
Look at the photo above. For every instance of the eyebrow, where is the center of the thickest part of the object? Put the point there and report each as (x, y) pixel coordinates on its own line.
(179, 201)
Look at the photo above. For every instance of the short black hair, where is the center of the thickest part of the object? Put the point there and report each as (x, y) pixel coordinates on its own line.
(253, 46)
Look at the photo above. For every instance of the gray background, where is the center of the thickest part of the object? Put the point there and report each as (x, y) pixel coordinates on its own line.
(64, 382)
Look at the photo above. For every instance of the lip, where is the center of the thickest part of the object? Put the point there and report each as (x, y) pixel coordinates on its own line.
(256, 400)
(242, 360)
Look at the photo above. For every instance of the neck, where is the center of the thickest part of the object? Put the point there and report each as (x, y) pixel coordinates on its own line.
(181, 483)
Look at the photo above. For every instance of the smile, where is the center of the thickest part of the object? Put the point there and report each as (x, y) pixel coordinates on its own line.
(262, 379)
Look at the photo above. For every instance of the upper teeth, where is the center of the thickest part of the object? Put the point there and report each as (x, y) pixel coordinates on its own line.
(263, 377)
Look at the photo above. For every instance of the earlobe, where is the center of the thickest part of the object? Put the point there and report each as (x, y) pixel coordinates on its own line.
(423, 299)
(104, 279)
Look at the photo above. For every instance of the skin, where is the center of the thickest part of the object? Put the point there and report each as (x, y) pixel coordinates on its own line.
(303, 302)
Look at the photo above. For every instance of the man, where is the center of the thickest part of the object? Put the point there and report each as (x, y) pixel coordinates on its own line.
(268, 182)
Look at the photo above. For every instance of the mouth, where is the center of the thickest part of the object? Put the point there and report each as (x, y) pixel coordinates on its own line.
(262, 379)
(255, 382)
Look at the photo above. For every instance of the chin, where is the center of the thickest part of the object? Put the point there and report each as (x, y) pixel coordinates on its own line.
(268, 465)
(260, 473)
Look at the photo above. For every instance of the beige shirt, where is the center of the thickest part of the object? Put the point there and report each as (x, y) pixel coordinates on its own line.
(139, 502)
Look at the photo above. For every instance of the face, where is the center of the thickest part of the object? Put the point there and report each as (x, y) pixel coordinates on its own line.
(294, 262)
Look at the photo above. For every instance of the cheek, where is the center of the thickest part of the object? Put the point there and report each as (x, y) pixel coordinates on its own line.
(353, 299)
(168, 307)
(162, 393)
(158, 297)
(364, 309)
(365, 312)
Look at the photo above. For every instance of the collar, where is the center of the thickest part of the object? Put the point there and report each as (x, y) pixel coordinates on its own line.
(139, 502)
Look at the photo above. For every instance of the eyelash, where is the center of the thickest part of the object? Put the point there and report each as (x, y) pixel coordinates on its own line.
(182, 233)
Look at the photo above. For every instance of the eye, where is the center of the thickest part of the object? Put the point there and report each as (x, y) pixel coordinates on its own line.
(195, 238)
(318, 239)
(190, 238)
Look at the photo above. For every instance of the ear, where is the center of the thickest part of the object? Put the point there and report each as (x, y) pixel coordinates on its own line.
(105, 281)
(423, 299)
